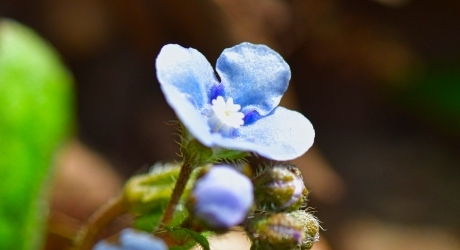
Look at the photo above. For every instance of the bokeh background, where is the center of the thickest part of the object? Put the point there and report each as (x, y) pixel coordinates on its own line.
(380, 81)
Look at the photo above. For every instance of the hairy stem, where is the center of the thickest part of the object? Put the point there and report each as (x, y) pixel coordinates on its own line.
(87, 235)
(181, 183)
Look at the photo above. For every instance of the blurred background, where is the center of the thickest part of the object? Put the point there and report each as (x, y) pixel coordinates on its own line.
(379, 80)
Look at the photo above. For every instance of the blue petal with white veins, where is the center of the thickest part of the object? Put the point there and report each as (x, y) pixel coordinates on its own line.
(255, 76)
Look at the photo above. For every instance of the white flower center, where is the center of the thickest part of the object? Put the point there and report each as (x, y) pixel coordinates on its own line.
(227, 113)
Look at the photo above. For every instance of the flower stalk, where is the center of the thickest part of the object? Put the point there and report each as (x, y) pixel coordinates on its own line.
(184, 176)
(87, 235)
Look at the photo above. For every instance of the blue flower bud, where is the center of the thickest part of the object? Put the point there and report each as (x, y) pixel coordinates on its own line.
(130, 239)
(280, 188)
(221, 198)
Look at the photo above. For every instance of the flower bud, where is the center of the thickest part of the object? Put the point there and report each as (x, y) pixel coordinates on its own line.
(130, 239)
(311, 228)
(280, 188)
(297, 230)
(279, 231)
(221, 198)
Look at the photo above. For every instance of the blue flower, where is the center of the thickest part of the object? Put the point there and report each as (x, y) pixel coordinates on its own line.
(221, 198)
(133, 240)
(240, 111)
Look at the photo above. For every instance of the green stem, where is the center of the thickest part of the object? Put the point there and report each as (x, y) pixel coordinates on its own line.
(87, 235)
(184, 175)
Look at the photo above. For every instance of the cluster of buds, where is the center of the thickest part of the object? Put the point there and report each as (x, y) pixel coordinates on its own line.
(279, 221)
(223, 197)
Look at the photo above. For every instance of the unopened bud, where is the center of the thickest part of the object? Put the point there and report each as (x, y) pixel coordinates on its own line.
(280, 188)
(279, 231)
(311, 228)
(221, 198)
(296, 230)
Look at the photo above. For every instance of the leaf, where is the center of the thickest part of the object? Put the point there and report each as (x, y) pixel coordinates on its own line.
(200, 239)
(148, 222)
(187, 246)
(189, 236)
(36, 108)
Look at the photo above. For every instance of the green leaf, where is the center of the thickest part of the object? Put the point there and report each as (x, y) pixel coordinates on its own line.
(36, 109)
(190, 237)
(187, 246)
(148, 222)
(200, 239)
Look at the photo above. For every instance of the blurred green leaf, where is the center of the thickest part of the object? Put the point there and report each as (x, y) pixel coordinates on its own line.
(189, 236)
(36, 110)
(148, 222)
(200, 239)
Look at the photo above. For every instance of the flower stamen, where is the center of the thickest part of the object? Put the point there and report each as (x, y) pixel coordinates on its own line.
(226, 115)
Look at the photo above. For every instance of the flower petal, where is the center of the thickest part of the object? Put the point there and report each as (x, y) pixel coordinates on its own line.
(282, 135)
(255, 76)
(188, 71)
(188, 114)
